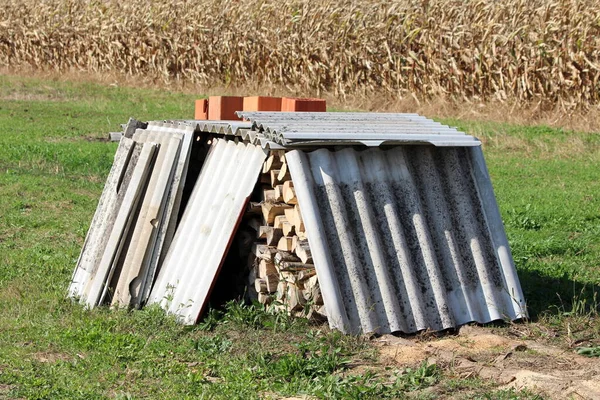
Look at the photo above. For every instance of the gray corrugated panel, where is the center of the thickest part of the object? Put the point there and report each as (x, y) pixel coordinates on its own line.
(207, 228)
(405, 239)
(96, 286)
(166, 232)
(150, 219)
(222, 127)
(108, 206)
(371, 128)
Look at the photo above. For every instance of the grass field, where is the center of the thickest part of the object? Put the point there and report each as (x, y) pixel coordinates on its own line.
(53, 162)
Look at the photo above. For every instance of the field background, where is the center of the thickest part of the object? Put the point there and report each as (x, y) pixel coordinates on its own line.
(523, 76)
(541, 52)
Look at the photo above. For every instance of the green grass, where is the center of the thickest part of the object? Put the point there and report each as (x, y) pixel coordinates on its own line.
(53, 163)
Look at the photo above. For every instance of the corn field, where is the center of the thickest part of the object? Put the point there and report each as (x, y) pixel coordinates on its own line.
(524, 50)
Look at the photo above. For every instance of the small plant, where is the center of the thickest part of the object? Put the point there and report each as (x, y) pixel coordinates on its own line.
(212, 345)
(419, 378)
(589, 351)
(211, 320)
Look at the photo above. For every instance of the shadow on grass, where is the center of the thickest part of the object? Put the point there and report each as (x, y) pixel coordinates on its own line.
(545, 294)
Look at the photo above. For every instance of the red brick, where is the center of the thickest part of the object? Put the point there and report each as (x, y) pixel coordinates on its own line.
(201, 111)
(224, 107)
(262, 103)
(303, 104)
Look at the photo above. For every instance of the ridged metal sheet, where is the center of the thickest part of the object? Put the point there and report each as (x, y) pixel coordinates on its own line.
(174, 201)
(370, 129)
(104, 217)
(405, 239)
(139, 264)
(134, 259)
(242, 129)
(207, 228)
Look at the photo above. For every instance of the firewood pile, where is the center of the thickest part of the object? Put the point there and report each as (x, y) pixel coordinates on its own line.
(281, 270)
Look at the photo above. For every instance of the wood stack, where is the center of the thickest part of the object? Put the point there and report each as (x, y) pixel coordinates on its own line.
(282, 273)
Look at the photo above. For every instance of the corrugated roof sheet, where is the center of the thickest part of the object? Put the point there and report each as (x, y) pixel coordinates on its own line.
(207, 228)
(405, 239)
(115, 247)
(138, 266)
(370, 129)
(102, 223)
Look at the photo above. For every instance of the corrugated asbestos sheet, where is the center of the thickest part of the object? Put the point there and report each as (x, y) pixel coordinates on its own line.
(135, 219)
(207, 228)
(405, 239)
(370, 129)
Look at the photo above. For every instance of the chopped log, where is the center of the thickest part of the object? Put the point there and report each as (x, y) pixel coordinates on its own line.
(312, 290)
(295, 241)
(317, 313)
(270, 196)
(279, 221)
(266, 268)
(285, 243)
(294, 266)
(311, 282)
(272, 162)
(290, 215)
(295, 218)
(289, 194)
(283, 174)
(304, 275)
(274, 173)
(272, 282)
(302, 250)
(279, 192)
(288, 277)
(270, 211)
(260, 285)
(270, 234)
(287, 228)
(294, 299)
(254, 208)
(263, 251)
(281, 290)
(302, 235)
(268, 273)
(282, 256)
(264, 298)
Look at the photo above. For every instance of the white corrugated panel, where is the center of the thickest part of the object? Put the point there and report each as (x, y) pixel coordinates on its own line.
(207, 228)
(151, 216)
(95, 288)
(104, 217)
(406, 239)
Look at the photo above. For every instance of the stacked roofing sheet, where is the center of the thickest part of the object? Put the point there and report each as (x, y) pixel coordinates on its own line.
(405, 234)
(134, 221)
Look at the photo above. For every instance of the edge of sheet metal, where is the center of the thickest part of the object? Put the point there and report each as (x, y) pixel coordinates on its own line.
(388, 254)
(209, 222)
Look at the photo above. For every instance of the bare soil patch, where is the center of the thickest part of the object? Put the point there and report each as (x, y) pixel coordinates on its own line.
(512, 363)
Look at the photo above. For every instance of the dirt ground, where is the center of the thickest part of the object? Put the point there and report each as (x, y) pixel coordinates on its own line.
(512, 363)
